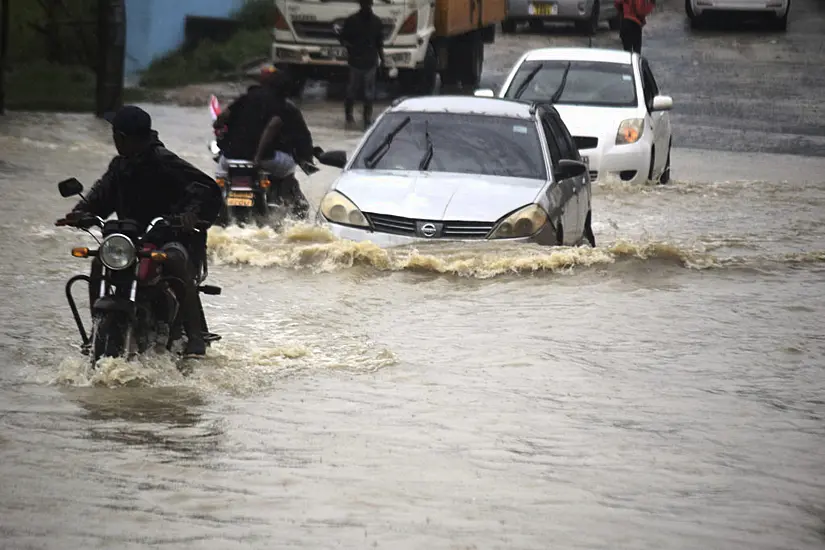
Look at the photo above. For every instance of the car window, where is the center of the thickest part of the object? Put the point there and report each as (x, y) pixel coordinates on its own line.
(593, 83)
(552, 143)
(649, 83)
(566, 143)
(462, 143)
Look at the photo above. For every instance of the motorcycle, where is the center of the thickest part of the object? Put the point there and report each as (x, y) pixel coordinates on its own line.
(249, 192)
(138, 306)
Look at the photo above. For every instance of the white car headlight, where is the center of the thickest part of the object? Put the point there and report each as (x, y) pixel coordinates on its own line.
(524, 222)
(630, 131)
(117, 252)
(338, 209)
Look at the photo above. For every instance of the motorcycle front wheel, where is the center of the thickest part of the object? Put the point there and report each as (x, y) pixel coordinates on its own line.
(108, 335)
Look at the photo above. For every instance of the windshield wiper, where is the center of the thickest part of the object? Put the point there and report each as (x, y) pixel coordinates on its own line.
(526, 81)
(557, 93)
(428, 156)
(379, 152)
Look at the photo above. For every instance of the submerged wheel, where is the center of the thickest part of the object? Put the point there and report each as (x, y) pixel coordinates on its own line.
(588, 230)
(652, 164)
(590, 26)
(508, 26)
(665, 177)
(107, 337)
(560, 235)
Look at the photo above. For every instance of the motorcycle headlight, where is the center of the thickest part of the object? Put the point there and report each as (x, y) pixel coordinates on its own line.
(630, 131)
(524, 222)
(117, 252)
(337, 208)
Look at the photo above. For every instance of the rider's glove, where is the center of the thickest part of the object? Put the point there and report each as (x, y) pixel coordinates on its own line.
(189, 220)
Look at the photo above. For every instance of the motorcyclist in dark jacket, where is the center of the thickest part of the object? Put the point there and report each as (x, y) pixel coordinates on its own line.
(264, 126)
(145, 181)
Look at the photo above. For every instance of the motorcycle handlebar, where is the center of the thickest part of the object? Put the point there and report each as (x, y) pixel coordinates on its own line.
(87, 222)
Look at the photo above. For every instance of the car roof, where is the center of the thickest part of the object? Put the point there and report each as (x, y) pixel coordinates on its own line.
(486, 106)
(580, 54)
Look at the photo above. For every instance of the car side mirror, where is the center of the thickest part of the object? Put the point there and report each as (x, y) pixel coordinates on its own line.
(338, 159)
(568, 169)
(484, 92)
(70, 187)
(661, 103)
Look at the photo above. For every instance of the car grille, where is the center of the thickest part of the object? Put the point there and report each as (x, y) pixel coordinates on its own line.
(586, 142)
(594, 175)
(397, 225)
(311, 30)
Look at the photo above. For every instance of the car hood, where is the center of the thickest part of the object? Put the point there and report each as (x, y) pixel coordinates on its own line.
(437, 196)
(601, 122)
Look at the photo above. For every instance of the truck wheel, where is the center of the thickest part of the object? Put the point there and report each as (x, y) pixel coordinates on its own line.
(473, 61)
(508, 26)
(420, 81)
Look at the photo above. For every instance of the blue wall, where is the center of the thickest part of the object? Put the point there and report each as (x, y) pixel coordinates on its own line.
(155, 27)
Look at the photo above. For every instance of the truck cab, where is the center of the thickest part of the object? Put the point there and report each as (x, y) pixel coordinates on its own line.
(421, 39)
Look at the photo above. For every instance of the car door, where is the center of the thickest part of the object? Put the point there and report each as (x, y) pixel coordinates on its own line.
(582, 184)
(570, 187)
(657, 121)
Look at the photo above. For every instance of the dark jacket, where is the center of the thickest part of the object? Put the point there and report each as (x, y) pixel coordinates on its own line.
(249, 116)
(156, 183)
(364, 37)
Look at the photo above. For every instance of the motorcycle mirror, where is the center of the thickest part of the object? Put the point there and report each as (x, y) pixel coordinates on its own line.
(70, 187)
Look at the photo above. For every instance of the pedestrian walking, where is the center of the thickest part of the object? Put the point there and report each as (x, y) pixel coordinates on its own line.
(362, 35)
(634, 14)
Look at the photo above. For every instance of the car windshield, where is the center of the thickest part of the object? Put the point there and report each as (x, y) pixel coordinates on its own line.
(460, 143)
(595, 83)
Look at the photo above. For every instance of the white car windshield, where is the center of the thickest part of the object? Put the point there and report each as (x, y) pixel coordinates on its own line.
(595, 83)
(460, 143)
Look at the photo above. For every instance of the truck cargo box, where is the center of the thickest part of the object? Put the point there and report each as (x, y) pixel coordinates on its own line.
(454, 17)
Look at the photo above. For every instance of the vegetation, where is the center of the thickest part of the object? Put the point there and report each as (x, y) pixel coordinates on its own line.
(210, 60)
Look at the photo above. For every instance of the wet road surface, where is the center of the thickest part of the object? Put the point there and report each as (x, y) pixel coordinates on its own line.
(664, 390)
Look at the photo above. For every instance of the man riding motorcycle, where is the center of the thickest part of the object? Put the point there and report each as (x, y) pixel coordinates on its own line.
(145, 181)
(265, 127)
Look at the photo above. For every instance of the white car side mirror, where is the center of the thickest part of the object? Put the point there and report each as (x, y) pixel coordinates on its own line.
(484, 92)
(662, 103)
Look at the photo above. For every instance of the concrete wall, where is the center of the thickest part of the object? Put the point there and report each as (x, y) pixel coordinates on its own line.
(155, 27)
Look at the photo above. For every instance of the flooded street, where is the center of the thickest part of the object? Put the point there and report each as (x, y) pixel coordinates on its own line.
(665, 390)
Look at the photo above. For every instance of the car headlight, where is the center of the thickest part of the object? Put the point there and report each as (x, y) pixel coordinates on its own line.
(630, 131)
(117, 252)
(524, 222)
(337, 208)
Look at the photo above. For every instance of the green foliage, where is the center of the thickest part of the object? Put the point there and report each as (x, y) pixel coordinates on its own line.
(41, 85)
(210, 61)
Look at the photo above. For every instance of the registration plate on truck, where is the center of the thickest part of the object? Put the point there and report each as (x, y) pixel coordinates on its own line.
(537, 8)
(334, 53)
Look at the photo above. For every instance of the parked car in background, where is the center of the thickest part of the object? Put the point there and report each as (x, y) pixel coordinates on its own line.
(775, 11)
(585, 14)
(611, 103)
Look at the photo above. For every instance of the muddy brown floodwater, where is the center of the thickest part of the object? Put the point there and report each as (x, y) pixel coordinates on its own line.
(665, 390)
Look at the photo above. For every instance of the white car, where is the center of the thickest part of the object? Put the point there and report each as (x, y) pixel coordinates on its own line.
(461, 168)
(611, 103)
(776, 11)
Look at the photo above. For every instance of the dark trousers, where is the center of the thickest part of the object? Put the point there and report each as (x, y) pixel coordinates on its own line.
(178, 264)
(361, 80)
(631, 34)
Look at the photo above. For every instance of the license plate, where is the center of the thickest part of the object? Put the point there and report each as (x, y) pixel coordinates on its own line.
(334, 53)
(240, 199)
(543, 9)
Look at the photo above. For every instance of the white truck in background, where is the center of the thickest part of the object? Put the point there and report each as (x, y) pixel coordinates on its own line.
(422, 39)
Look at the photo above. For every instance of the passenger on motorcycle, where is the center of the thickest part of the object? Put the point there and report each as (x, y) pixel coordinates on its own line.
(146, 180)
(265, 127)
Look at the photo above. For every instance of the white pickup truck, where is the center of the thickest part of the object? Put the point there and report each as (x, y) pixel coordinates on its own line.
(422, 38)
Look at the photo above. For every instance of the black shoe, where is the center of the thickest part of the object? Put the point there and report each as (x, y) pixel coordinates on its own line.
(195, 348)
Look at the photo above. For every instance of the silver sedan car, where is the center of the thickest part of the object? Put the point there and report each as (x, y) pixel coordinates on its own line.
(458, 168)
(585, 14)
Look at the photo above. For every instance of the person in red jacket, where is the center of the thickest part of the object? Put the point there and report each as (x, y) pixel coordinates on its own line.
(634, 14)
